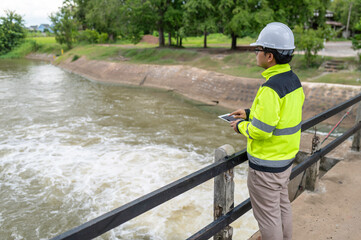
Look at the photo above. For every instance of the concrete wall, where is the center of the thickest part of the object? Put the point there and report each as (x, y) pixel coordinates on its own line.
(207, 86)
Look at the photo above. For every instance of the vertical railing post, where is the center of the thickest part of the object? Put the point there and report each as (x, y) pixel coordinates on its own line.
(223, 192)
(357, 136)
(297, 185)
(313, 172)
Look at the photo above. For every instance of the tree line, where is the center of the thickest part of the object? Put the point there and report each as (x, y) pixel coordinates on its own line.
(131, 19)
(97, 21)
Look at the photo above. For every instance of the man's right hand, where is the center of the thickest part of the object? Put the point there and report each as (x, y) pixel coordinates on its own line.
(240, 113)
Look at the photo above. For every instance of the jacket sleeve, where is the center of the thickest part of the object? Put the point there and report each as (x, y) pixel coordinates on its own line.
(265, 116)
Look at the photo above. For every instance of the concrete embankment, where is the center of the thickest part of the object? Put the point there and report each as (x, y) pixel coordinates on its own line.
(206, 86)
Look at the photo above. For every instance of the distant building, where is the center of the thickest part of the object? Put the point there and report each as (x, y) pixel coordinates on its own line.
(329, 21)
(33, 28)
(45, 27)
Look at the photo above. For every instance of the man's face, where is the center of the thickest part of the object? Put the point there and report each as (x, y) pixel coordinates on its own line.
(262, 58)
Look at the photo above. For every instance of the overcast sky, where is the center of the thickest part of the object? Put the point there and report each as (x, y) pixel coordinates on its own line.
(34, 12)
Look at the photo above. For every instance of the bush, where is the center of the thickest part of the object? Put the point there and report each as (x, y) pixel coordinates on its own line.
(103, 38)
(309, 40)
(22, 50)
(92, 36)
(75, 57)
(88, 36)
(12, 31)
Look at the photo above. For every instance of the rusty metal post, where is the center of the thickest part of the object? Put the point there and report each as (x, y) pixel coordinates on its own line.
(223, 192)
(357, 136)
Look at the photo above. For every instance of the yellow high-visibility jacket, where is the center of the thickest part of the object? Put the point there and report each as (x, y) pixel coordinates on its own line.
(273, 124)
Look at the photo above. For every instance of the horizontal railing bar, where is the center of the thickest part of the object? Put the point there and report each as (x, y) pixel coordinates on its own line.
(322, 152)
(223, 221)
(329, 113)
(112, 219)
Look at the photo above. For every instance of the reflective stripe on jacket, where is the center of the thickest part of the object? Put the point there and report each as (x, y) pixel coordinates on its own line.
(274, 128)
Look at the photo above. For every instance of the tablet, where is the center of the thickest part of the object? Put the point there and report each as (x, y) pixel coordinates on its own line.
(228, 118)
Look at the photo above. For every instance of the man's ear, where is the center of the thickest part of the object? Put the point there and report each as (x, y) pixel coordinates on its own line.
(270, 57)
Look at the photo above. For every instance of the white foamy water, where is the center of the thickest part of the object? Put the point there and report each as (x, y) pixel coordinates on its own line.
(72, 150)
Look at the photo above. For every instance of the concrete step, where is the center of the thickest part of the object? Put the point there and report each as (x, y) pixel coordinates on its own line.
(333, 65)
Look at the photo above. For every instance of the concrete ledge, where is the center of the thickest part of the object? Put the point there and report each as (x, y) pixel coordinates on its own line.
(334, 211)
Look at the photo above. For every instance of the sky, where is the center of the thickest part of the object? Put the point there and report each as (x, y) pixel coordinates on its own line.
(34, 12)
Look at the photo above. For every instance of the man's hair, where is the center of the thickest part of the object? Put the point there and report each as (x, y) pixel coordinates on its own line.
(281, 56)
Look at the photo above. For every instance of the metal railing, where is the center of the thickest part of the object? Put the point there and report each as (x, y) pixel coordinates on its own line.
(118, 216)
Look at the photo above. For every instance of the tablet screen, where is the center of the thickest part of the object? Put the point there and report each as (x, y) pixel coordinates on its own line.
(228, 118)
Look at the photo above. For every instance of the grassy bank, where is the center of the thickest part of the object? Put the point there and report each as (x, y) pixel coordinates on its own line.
(22, 50)
(35, 44)
(217, 58)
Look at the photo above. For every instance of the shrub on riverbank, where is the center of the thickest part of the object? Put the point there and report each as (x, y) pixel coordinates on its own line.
(22, 50)
(35, 44)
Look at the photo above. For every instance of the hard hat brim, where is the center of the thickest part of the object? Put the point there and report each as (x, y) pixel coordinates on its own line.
(255, 44)
(263, 45)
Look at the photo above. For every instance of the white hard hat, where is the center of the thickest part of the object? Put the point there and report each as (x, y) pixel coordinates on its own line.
(276, 35)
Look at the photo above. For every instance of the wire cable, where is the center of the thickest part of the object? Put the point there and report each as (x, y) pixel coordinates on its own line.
(337, 124)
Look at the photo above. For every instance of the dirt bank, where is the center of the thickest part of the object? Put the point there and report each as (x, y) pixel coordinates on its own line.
(207, 86)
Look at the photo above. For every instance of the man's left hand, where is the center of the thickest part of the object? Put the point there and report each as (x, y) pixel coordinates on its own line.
(234, 125)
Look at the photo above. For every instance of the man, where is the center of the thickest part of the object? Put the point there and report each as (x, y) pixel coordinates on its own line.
(273, 130)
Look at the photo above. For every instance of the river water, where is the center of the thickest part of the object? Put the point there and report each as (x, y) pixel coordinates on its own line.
(72, 149)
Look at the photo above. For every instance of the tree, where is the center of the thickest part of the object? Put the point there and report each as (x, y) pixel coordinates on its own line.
(298, 12)
(12, 31)
(318, 19)
(343, 8)
(80, 12)
(138, 18)
(173, 18)
(309, 40)
(153, 15)
(243, 18)
(356, 40)
(64, 25)
(160, 7)
(149, 15)
(79, 8)
(200, 15)
(105, 16)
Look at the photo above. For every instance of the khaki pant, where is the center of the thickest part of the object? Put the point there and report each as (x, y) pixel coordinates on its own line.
(270, 203)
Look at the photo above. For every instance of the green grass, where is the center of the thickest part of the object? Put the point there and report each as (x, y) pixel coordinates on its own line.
(22, 50)
(43, 40)
(348, 78)
(215, 40)
(47, 45)
(158, 56)
(92, 52)
(123, 41)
